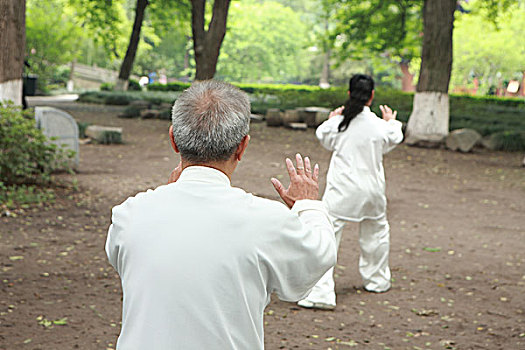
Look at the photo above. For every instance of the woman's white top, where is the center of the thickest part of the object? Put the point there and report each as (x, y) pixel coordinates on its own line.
(355, 184)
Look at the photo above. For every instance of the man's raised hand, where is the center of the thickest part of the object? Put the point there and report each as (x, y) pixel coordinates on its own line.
(304, 183)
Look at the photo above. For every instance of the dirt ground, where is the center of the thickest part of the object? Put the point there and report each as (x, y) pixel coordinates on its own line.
(457, 248)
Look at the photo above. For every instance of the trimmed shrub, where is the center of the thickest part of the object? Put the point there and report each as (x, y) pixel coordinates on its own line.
(125, 97)
(486, 115)
(118, 99)
(27, 157)
(107, 87)
(510, 141)
(130, 112)
(82, 129)
(110, 137)
(175, 86)
(133, 85)
(91, 97)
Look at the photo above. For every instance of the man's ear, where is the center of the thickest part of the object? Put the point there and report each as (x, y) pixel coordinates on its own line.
(172, 140)
(242, 147)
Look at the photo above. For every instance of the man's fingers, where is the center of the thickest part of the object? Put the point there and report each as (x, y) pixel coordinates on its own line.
(290, 168)
(278, 186)
(315, 175)
(307, 167)
(395, 115)
(300, 165)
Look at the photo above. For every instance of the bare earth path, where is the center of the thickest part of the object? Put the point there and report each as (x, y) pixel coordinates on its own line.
(457, 249)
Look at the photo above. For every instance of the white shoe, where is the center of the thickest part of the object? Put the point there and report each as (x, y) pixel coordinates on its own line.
(315, 305)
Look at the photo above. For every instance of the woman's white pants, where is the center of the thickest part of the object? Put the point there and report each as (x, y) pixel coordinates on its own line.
(374, 241)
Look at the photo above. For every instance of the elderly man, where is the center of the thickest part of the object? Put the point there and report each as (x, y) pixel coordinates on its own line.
(198, 258)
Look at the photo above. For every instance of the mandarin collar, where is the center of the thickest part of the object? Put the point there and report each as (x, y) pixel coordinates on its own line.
(204, 174)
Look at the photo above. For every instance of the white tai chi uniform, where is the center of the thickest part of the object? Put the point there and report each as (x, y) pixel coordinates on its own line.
(355, 191)
(198, 260)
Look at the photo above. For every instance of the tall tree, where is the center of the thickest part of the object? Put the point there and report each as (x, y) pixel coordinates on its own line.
(129, 58)
(388, 28)
(261, 47)
(429, 120)
(12, 47)
(207, 43)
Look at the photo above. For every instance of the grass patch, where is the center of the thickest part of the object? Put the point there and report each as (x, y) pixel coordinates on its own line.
(23, 196)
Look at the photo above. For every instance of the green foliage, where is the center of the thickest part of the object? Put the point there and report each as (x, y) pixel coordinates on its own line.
(125, 97)
(110, 137)
(51, 39)
(174, 86)
(510, 141)
(27, 156)
(82, 126)
(390, 28)
(14, 196)
(117, 99)
(130, 112)
(101, 18)
(487, 115)
(107, 87)
(491, 53)
(262, 47)
(133, 85)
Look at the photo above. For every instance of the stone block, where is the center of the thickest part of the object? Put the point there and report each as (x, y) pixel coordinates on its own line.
(274, 117)
(140, 104)
(291, 116)
(104, 134)
(309, 115)
(489, 142)
(150, 114)
(298, 126)
(462, 139)
(256, 118)
(321, 117)
(58, 124)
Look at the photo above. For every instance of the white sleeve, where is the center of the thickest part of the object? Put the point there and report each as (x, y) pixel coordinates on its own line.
(393, 135)
(304, 250)
(327, 132)
(113, 241)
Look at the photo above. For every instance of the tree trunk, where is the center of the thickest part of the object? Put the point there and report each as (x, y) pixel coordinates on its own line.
(522, 89)
(127, 64)
(207, 43)
(429, 121)
(407, 81)
(324, 82)
(71, 83)
(12, 49)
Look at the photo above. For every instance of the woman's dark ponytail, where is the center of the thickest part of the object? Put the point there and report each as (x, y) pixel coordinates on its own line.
(360, 87)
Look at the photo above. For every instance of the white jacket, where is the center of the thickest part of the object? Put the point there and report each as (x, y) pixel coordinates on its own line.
(198, 260)
(355, 184)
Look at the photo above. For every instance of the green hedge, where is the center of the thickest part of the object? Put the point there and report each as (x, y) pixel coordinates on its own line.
(27, 156)
(487, 115)
(133, 85)
(122, 98)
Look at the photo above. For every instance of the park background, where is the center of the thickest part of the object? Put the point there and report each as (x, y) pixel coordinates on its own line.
(456, 217)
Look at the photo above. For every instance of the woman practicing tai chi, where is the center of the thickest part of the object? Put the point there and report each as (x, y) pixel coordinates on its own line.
(355, 186)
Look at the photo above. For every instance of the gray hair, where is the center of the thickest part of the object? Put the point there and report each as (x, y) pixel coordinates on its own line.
(209, 121)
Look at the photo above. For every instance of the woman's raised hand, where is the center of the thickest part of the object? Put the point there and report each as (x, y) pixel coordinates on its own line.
(387, 112)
